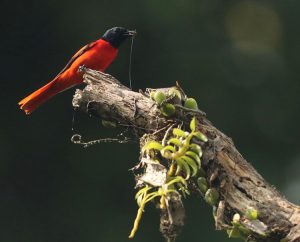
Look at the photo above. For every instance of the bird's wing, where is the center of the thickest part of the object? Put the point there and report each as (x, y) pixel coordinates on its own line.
(78, 53)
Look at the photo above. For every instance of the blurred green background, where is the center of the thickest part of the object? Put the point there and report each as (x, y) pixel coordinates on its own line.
(239, 59)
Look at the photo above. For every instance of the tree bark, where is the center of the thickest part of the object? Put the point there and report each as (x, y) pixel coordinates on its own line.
(240, 186)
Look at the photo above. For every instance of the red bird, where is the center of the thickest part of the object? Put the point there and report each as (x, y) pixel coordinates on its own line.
(97, 55)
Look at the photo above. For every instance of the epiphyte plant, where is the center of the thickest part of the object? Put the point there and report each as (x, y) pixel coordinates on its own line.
(146, 194)
(169, 109)
(180, 150)
(181, 155)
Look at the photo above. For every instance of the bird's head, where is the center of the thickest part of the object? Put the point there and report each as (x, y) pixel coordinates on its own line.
(115, 36)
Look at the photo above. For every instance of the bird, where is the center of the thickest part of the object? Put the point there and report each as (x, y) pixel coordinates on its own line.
(97, 55)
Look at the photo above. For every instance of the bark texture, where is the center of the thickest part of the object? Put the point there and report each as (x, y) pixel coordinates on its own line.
(240, 186)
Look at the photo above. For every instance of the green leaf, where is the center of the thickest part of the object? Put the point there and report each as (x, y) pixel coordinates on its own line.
(191, 163)
(194, 156)
(179, 132)
(212, 196)
(186, 169)
(174, 92)
(193, 124)
(178, 168)
(168, 109)
(174, 141)
(159, 97)
(181, 183)
(251, 213)
(151, 196)
(152, 145)
(167, 151)
(177, 179)
(169, 148)
(196, 148)
(191, 103)
(143, 190)
(152, 93)
(202, 184)
(200, 136)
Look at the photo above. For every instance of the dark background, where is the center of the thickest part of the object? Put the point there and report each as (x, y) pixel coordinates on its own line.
(239, 59)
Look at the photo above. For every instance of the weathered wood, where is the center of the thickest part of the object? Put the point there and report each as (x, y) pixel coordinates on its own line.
(239, 184)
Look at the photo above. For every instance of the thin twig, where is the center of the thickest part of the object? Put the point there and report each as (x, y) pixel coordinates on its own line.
(190, 110)
(77, 139)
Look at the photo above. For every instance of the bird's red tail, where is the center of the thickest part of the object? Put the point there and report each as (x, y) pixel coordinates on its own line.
(37, 98)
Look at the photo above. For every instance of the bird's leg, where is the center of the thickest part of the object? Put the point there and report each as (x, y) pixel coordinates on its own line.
(82, 69)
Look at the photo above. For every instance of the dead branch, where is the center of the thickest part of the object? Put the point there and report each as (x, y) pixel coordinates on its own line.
(240, 186)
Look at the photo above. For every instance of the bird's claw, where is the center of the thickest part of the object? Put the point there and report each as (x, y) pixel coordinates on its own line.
(82, 69)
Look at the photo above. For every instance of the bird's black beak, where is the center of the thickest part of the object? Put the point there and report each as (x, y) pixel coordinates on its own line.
(131, 32)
